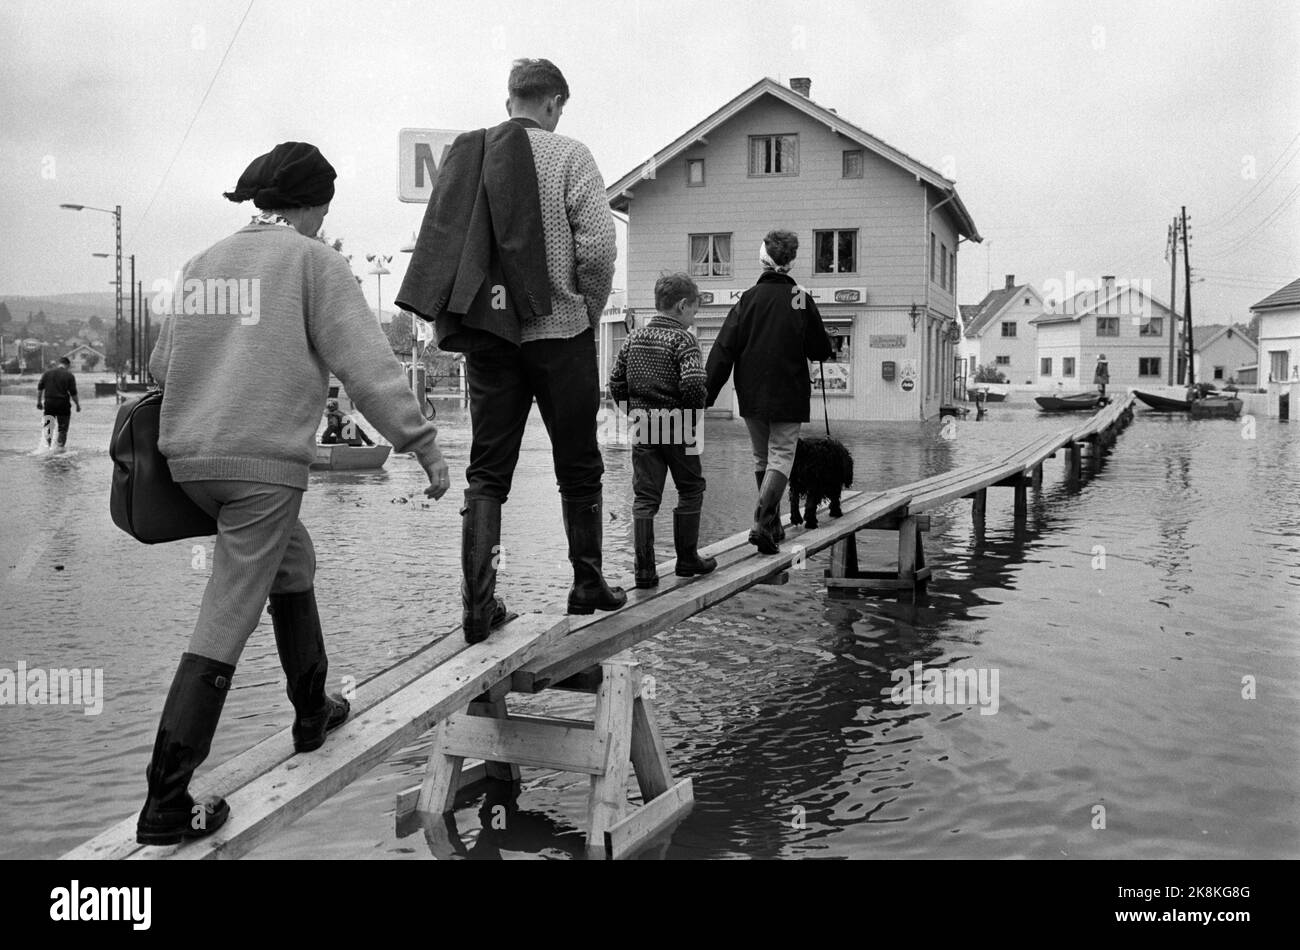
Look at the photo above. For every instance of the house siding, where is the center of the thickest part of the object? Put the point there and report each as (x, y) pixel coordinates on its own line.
(1078, 338)
(886, 206)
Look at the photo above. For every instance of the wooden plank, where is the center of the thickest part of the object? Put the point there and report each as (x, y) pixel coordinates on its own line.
(607, 800)
(504, 770)
(537, 745)
(118, 842)
(979, 507)
(441, 777)
(470, 774)
(636, 622)
(654, 775)
(650, 820)
(280, 796)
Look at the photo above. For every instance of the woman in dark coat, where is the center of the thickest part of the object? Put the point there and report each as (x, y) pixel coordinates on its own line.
(768, 337)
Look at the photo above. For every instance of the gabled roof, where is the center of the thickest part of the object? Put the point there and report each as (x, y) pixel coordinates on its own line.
(987, 310)
(83, 346)
(1288, 296)
(1075, 312)
(1245, 336)
(620, 192)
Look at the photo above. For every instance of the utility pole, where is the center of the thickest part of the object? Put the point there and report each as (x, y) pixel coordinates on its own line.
(1173, 288)
(1187, 305)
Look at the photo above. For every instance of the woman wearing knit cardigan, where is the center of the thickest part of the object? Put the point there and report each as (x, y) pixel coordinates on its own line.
(769, 335)
(260, 320)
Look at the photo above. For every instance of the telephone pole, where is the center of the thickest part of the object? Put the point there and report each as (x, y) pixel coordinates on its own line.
(1187, 305)
(1173, 288)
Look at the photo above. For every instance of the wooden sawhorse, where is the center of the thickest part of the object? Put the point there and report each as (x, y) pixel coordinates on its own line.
(912, 576)
(621, 738)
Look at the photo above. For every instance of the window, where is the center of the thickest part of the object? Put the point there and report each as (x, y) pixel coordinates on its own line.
(1152, 327)
(853, 163)
(1148, 366)
(1002, 360)
(710, 255)
(773, 155)
(1067, 365)
(1045, 366)
(1277, 365)
(943, 265)
(1218, 372)
(835, 252)
(839, 368)
(1108, 326)
(694, 172)
(1008, 328)
(932, 261)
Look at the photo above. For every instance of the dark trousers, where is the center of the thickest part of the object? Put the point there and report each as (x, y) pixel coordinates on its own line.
(650, 466)
(62, 418)
(503, 380)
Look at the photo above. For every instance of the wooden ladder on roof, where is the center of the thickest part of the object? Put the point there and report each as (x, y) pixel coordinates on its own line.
(621, 739)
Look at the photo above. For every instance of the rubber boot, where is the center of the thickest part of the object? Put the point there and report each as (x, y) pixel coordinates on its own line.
(480, 547)
(686, 538)
(301, 646)
(767, 514)
(189, 719)
(780, 527)
(583, 525)
(644, 534)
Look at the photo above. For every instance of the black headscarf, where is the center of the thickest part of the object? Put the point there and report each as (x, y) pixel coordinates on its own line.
(291, 175)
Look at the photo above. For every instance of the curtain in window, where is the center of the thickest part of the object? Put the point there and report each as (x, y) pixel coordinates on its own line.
(848, 255)
(824, 250)
(760, 158)
(722, 255)
(699, 255)
(789, 152)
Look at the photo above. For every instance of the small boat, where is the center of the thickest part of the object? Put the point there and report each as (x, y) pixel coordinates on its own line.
(1075, 402)
(341, 457)
(1215, 407)
(1162, 403)
(993, 392)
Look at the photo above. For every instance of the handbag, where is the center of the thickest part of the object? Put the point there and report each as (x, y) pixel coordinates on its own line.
(144, 501)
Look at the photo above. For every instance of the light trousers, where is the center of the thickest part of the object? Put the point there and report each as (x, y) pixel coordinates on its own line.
(774, 444)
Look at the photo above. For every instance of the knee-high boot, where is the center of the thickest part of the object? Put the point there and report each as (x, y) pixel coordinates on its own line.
(644, 540)
(189, 720)
(480, 543)
(583, 525)
(767, 514)
(301, 645)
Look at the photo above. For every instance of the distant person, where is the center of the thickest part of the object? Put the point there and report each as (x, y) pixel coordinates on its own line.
(340, 428)
(660, 368)
(56, 394)
(769, 336)
(1101, 375)
(238, 426)
(514, 264)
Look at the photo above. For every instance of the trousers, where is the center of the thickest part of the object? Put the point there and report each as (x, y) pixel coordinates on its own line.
(503, 380)
(262, 549)
(774, 444)
(650, 467)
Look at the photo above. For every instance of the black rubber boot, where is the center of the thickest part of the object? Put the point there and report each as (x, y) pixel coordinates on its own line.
(644, 534)
(189, 719)
(480, 547)
(767, 516)
(686, 538)
(780, 527)
(583, 525)
(301, 645)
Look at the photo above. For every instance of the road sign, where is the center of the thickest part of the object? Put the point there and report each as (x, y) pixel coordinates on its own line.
(908, 384)
(419, 156)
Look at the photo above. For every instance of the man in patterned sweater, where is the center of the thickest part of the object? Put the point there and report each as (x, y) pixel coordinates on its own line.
(554, 363)
(659, 374)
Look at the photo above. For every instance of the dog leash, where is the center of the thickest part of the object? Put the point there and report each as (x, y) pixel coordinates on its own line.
(825, 414)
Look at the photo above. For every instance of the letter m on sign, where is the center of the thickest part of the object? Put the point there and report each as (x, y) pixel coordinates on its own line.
(420, 153)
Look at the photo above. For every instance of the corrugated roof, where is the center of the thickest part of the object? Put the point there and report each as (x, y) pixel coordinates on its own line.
(1288, 296)
(988, 308)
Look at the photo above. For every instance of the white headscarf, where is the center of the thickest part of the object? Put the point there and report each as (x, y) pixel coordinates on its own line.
(765, 259)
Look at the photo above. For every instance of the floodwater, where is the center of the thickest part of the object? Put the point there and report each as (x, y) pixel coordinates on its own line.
(1143, 631)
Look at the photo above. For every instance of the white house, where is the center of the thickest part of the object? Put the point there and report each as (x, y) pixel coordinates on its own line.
(1220, 354)
(1116, 319)
(999, 332)
(878, 237)
(1279, 349)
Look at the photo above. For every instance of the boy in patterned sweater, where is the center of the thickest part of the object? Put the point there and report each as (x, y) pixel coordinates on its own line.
(659, 374)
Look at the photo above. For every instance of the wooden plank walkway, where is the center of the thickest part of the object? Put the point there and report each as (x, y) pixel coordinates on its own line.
(268, 787)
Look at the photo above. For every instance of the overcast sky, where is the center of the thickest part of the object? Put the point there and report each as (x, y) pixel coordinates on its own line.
(1074, 130)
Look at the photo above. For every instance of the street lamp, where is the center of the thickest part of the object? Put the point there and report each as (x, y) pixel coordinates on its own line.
(116, 212)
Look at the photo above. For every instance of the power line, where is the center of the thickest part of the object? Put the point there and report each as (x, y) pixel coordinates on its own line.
(1260, 184)
(1244, 239)
(189, 128)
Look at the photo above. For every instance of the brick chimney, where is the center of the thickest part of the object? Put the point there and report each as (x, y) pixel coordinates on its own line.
(1011, 281)
(802, 85)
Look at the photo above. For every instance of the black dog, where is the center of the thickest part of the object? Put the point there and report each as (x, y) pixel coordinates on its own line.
(822, 467)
